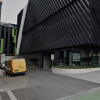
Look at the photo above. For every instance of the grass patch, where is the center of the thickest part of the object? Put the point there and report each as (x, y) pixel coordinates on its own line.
(74, 67)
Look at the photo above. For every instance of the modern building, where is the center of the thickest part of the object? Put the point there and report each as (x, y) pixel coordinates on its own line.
(69, 29)
(8, 38)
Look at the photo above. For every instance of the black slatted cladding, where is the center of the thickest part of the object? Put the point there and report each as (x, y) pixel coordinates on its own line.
(52, 24)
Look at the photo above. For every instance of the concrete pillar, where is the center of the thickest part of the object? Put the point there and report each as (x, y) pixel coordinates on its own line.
(41, 61)
(56, 58)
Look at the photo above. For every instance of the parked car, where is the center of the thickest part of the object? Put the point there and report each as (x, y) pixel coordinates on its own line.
(16, 66)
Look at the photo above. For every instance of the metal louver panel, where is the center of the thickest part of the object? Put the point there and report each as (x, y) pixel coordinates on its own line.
(52, 24)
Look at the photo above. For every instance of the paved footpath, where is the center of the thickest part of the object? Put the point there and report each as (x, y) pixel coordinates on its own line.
(91, 76)
(1, 87)
(93, 94)
(3, 93)
(39, 84)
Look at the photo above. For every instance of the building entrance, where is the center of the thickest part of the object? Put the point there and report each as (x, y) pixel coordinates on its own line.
(47, 64)
(33, 62)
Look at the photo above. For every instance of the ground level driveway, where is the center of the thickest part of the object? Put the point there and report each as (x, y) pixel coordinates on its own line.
(39, 84)
(91, 76)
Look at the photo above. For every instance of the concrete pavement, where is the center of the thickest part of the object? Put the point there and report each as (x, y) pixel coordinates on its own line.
(93, 96)
(91, 76)
(53, 86)
(39, 84)
(1, 87)
(81, 94)
(4, 96)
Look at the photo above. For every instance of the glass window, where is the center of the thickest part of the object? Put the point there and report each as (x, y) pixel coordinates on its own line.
(61, 57)
(98, 58)
(90, 57)
(65, 58)
(76, 57)
(70, 57)
(95, 58)
(84, 58)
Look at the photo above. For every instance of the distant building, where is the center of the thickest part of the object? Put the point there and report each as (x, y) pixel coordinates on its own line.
(69, 29)
(8, 38)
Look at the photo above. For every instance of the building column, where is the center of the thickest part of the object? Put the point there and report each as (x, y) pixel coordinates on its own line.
(41, 61)
(56, 58)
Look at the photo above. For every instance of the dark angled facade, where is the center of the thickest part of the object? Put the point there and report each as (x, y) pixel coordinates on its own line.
(69, 29)
(8, 38)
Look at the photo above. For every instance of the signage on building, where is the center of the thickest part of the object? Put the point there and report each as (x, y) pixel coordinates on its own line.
(52, 56)
(76, 57)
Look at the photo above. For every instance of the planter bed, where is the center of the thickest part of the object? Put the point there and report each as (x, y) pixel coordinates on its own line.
(73, 71)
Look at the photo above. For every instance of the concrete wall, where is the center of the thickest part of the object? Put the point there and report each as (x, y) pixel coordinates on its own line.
(47, 61)
(73, 71)
(56, 58)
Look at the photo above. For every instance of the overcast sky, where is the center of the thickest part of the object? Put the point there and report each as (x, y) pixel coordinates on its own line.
(10, 10)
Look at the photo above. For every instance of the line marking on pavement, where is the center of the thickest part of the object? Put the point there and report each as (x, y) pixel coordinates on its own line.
(81, 94)
(11, 95)
(1, 90)
(0, 98)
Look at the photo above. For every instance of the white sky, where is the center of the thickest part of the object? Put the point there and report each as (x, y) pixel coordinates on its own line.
(10, 10)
